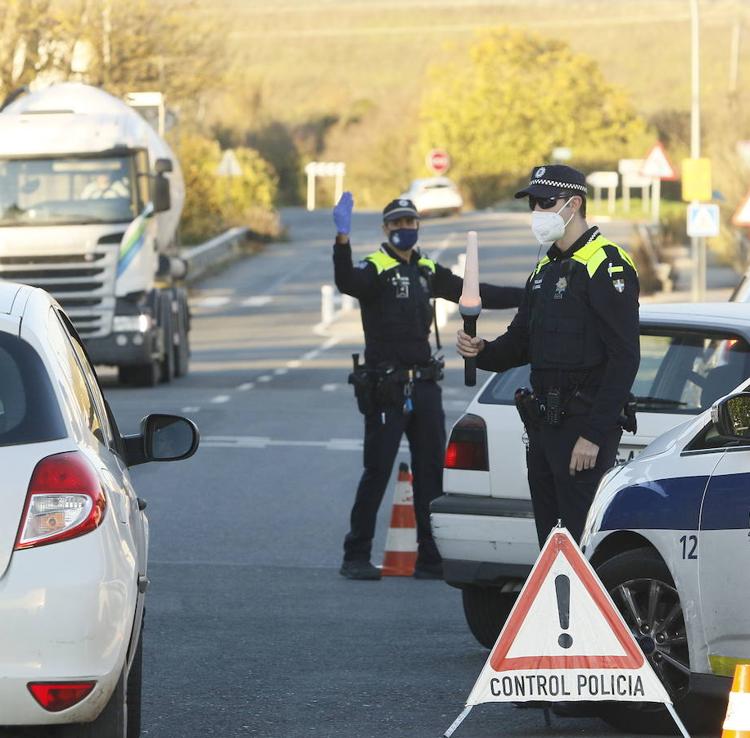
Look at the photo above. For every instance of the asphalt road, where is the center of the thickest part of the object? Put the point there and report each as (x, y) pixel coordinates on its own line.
(250, 630)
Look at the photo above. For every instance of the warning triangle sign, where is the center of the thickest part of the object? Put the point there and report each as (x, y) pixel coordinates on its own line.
(742, 216)
(565, 639)
(657, 165)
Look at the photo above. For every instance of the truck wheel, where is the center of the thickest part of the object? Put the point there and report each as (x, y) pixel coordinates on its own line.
(641, 586)
(141, 375)
(182, 339)
(167, 363)
(486, 609)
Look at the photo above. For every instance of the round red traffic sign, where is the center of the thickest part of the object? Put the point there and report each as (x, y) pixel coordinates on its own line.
(438, 160)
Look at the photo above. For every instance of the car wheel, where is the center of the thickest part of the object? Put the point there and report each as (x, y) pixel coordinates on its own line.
(486, 609)
(641, 587)
(135, 681)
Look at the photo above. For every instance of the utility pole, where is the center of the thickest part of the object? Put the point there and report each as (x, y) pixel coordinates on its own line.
(697, 245)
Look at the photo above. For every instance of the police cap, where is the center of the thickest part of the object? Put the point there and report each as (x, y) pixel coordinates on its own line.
(549, 180)
(401, 208)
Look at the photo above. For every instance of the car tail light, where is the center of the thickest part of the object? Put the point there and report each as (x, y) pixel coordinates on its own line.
(65, 500)
(56, 696)
(467, 448)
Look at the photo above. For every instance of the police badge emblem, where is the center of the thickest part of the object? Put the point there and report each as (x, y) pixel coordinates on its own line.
(539, 172)
(560, 287)
(619, 284)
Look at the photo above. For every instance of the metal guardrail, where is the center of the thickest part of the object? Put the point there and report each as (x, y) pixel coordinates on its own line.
(218, 251)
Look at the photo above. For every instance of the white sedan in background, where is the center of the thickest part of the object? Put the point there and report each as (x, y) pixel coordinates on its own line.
(691, 355)
(73, 534)
(435, 196)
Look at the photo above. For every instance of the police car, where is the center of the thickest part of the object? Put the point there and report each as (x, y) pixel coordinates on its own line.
(73, 533)
(691, 355)
(669, 535)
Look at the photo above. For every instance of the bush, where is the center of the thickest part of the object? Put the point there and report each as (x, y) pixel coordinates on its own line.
(214, 203)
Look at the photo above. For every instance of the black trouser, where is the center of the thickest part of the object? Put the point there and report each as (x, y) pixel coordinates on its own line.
(555, 494)
(425, 430)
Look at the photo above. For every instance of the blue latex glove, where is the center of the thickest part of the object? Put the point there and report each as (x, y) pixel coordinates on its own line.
(342, 213)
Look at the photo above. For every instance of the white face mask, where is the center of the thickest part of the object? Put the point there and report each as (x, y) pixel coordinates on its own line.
(549, 227)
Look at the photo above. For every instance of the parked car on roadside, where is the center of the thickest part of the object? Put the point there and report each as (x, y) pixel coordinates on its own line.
(434, 196)
(691, 355)
(73, 533)
(668, 536)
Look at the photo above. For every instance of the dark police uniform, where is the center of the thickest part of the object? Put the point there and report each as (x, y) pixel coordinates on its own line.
(397, 314)
(578, 328)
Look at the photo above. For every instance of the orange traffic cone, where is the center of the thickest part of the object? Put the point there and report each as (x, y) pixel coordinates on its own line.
(401, 543)
(737, 721)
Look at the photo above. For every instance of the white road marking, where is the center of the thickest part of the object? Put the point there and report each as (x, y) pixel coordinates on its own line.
(257, 301)
(281, 371)
(190, 409)
(330, 343)
(334, 444)
(265, 378)
(329, 387)
(210, 302)
(246, 386)
(310, 355)
(219, 399)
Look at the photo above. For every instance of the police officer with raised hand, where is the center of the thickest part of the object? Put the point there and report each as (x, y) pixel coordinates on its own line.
(397, 386)
(578, 328)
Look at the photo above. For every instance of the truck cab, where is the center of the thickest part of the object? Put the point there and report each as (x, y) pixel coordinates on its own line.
(90, 199)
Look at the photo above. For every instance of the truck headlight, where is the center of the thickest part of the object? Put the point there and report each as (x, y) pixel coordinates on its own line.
(132, 323)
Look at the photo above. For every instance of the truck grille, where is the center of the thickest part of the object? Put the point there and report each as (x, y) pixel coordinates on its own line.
(83, 284)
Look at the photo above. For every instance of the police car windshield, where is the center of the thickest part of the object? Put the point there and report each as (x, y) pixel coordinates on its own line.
(682, 371)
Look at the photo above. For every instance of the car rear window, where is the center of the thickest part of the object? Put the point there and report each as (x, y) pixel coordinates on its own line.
(29, 412)
(681, 371)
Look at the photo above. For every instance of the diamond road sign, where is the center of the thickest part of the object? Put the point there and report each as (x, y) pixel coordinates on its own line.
(702, 220)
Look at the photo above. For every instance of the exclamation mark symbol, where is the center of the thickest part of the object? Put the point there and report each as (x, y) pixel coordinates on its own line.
(562, 587)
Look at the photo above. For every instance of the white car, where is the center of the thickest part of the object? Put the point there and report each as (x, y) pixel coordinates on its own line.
(73, 534)
(434, 196)
(691, 355)
(668, 536)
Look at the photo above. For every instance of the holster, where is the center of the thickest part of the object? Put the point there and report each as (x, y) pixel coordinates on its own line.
(364, 387)
(527, 405)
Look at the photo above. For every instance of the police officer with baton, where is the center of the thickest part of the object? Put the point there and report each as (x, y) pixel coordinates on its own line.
(578, 328)
(397, 387)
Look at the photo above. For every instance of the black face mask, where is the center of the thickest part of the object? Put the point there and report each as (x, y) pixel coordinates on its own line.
(403, 238)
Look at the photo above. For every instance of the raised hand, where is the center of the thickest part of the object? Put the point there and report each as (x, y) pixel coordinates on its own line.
(342, 214)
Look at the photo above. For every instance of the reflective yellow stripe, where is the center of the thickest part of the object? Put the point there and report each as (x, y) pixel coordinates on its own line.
(593, 255)
(724, 665)
(544, 261)
(382, 261)
(429, 263)
(613, 270)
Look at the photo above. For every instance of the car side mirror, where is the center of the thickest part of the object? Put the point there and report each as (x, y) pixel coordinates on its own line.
(732, 416)
(162, 438)
(161, 166)
(162, 198)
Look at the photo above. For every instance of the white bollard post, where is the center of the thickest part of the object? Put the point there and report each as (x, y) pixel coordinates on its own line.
(348, 302)
(326, 303)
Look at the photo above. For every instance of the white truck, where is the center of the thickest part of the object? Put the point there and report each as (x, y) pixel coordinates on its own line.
(90, 201)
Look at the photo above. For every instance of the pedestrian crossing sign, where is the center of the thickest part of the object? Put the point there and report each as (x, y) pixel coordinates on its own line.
(703, 220)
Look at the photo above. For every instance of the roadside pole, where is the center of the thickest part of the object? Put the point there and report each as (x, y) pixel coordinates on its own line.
(697, 245)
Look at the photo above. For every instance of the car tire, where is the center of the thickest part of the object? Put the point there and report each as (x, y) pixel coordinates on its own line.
(486, 609)
(639, 576)
(134, 688)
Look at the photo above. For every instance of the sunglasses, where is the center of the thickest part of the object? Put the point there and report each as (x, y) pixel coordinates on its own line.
(545, 202)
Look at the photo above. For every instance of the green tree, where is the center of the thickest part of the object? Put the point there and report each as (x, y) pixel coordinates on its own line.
(214, 203)
(520, 96)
